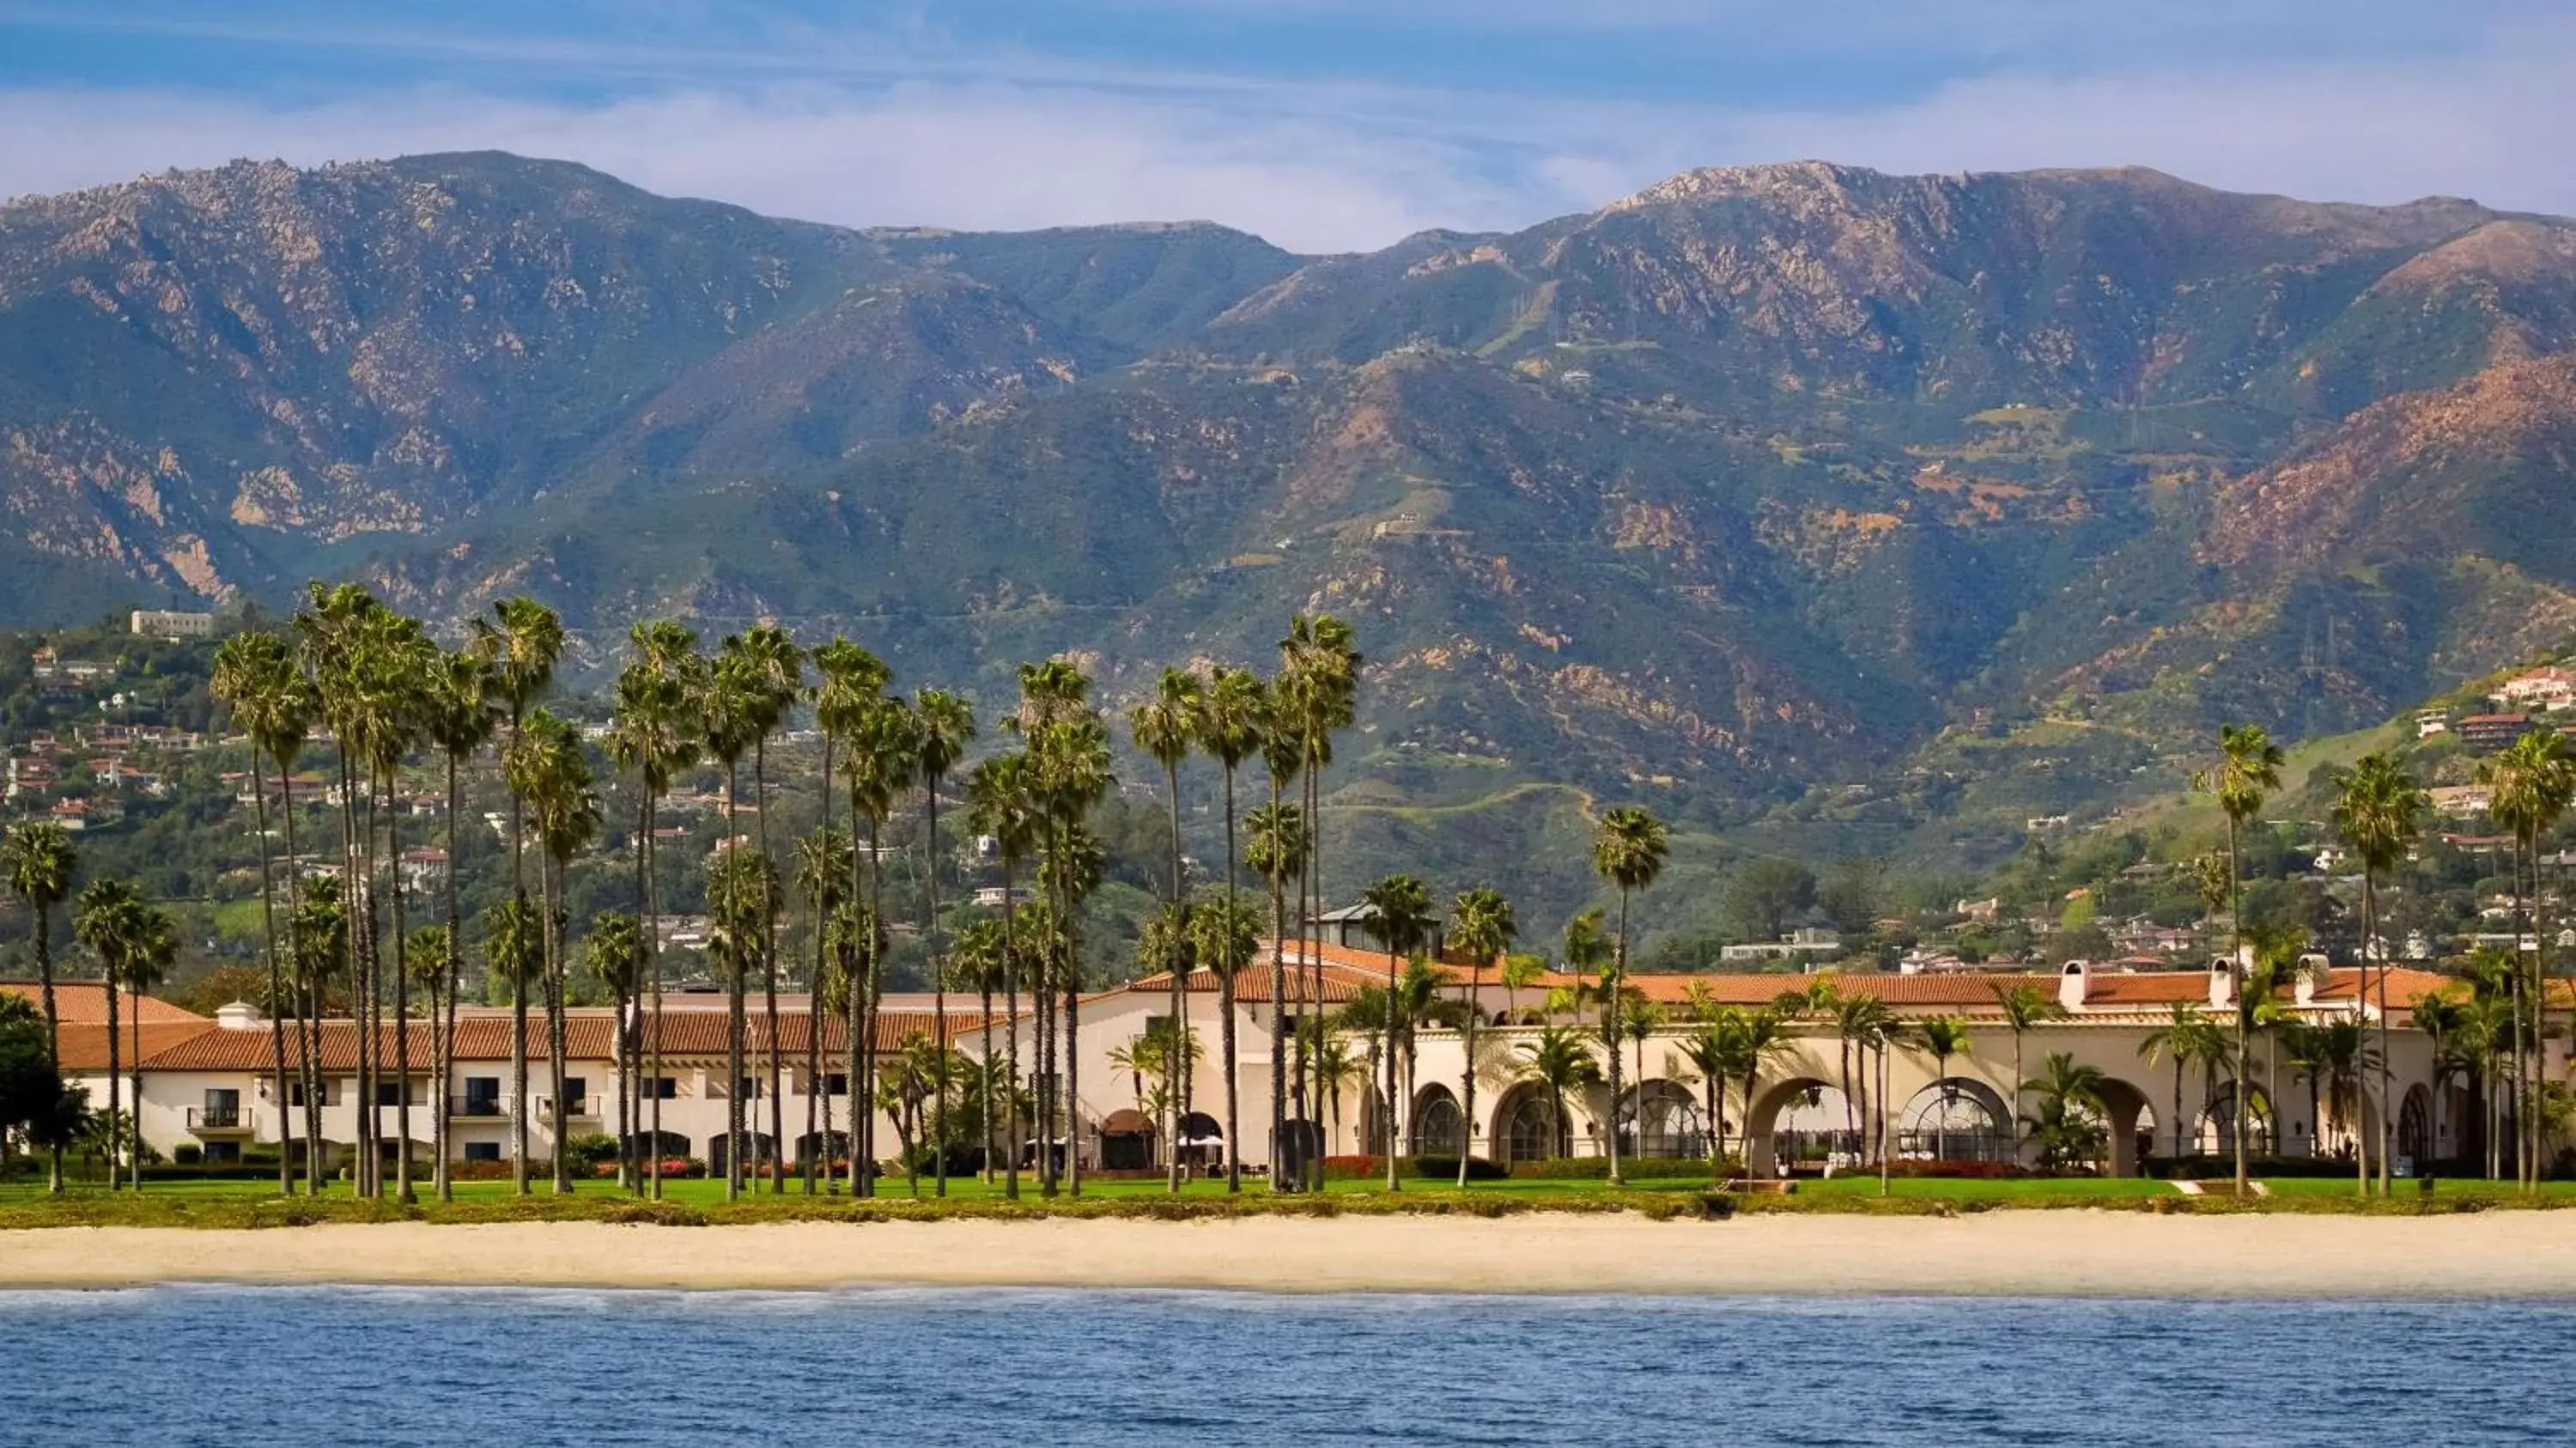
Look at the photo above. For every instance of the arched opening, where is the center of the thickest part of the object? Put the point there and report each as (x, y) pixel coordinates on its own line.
(2415, 1130)
(669, 1145)
(822, 1146)
(1955, 1119)
(2128, 1126)
(1371, 1123)
(1527, 1128)
(1202, 1141)
(1439, 1127)
(759, 1149)
(1804, 1125)
(2217, 1134)
(1660, 1118)
(1127, 1141)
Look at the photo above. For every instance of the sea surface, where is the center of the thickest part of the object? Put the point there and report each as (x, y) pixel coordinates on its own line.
(385, 1366)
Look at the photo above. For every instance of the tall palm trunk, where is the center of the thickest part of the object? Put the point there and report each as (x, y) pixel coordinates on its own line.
(134, 1120)
(550, 880)
(734, 1024)
(863, 1032)
(53, 1026)
(1011, 1001)
(1225, 1008)
(652, 912)
(276, 975)
(769, 978)
(1179, 967)
(2244, 1012)
(402, 1005)
(451, 978)
(938, 1008)
(519, 988)
(1610, 1035)
(115, 1076)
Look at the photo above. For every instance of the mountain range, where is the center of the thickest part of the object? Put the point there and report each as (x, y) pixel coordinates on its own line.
(1834, 509)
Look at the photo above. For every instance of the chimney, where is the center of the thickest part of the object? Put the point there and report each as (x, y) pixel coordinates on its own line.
(2073, 982)
(239, 1016)
(2222, 985)
(2311, 969)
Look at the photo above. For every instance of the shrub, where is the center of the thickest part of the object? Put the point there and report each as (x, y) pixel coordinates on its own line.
(1980, 1171)
(592, 1149)
(1645, 1168)
(188, 1154)
(1445, 1168)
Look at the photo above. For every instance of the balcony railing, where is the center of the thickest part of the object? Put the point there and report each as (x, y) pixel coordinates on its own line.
(478, 1105)
(218, 1119)
(575, 1108)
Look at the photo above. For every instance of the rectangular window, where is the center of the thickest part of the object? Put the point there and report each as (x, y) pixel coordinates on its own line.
(666, 1088)
(389, 1093)
(838, 1084)
(482, 1151)
(576, 1093)
(223, 1151)
(295, 1091)
(750, 1088)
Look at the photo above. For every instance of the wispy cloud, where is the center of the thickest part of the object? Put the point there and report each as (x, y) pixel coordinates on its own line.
(888, 127)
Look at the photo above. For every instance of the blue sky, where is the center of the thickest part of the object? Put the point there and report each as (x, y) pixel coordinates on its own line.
(1324, 124)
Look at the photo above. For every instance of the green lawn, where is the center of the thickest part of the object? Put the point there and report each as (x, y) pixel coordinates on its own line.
(24, 1202)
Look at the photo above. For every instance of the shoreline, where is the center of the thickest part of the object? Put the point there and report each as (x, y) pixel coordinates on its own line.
(2047, 1253)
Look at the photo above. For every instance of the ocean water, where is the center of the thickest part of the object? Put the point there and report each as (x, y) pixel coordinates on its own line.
(388, 1366)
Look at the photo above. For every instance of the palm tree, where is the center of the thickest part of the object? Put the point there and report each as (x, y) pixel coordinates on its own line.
(1233, 720)
(1166, 727)
(40, 864)
(1481, 928)
(2247, 773)
(1628, 850)
(823, 867)
(397, 659)
(2067, 1118)
(613, 954)
(2378, 810)
(1002, 797)
(518, 649)
(654, 733)
(106, 920)
(742, 896)
(849, 686)
(975, 963)
(1399, 916)
(885, 750)
(456, 718)
(2530, 783)
(550, 772)
(255, 677)
(1277, 852)
(943, 725)
(1710, 1049)
(2442, 1021)
(2025, 1006)
(1227, 937)
(1866, 1023)
(1315, 694)
(1558, 1062)
(1941, 1038)
(2184, 1039)
(778, 667)
(1068, 746)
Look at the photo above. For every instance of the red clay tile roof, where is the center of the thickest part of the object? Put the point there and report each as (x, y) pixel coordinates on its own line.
(86, 1000)
(82, 1045)
(589, 1034)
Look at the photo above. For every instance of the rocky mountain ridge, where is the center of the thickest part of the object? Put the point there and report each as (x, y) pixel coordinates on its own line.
(1759, 490)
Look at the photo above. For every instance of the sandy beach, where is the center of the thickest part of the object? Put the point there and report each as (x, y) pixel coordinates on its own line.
(2042, 1253)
